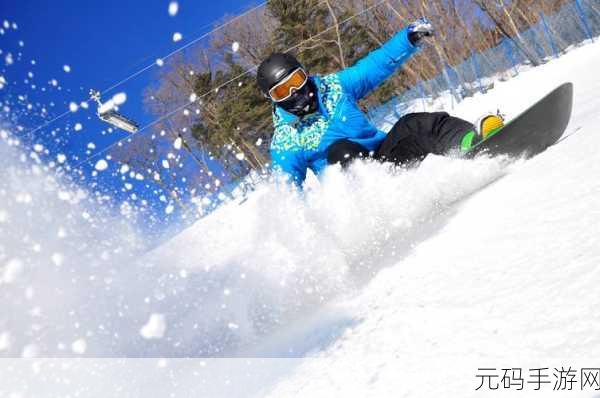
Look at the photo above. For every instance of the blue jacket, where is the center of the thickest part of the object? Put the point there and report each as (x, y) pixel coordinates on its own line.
(299, 144)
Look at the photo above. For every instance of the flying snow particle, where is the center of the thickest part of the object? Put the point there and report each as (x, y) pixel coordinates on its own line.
(78, 127)
(84, 105)
(4, 341)
(165, 164)
(30, 351)
(101, 165)
(240, 156)
(63, 195)
(259, 142)
(119, 99)
(124, 169)
(160, 62)
(38, 148)
(67, 68)
(73, 107)
(62, 233)
(155, 327)
(2, 82)
(235, 47)
(177, 37)
(6, 24)
(177, 143)
(61, 158)
(233, 326)
(54, 82)
(58, 259)
(173, 8)
(193, 97)
(9, 60)
(169, 209)
(79, 346)
(12, 269)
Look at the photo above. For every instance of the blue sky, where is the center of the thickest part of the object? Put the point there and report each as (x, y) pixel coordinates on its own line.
(102, 42)
(106, 41)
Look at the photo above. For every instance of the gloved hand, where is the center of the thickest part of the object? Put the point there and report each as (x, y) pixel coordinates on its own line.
(419, 30)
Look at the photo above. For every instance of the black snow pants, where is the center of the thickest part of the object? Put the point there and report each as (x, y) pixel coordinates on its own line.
(412, 138)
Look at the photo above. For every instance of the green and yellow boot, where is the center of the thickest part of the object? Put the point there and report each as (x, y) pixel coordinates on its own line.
(485, 127)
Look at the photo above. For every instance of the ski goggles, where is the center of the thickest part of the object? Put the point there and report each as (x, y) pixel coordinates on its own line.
(285, 88)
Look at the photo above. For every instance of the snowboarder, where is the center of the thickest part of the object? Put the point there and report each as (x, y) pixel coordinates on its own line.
(318, 121)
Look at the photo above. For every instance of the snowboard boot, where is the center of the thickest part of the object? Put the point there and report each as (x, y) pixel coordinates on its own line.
(486, 126)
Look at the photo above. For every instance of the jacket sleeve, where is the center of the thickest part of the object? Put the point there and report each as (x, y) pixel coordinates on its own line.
(290, 164)
(368, 73)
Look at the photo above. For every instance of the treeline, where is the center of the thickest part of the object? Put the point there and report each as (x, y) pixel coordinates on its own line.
(221, 113)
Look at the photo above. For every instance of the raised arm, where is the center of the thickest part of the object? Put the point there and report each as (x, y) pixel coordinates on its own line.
(368, 73)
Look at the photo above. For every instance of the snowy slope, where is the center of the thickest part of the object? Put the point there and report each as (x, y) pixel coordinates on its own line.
(385, 282)
(508, 279)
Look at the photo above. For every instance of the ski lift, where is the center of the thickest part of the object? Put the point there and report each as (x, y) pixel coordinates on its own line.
(111, 116)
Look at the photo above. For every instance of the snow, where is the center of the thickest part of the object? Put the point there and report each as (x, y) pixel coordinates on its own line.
(101, 165)
(11, 271)
(506, 277)
(173, 8)
(380, 282)
(177, 144)
(155, 327)
(4, 341)
(235, 46)
(67, 68)
(119, 98)
(177, 37)
(79, 346)
(58, 259)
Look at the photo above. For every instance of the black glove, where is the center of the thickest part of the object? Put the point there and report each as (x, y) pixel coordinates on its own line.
(419, 30)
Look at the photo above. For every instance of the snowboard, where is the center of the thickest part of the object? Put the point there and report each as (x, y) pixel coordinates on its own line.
(534, 130)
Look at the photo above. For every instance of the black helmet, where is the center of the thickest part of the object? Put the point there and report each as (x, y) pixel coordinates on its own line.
(274, 69)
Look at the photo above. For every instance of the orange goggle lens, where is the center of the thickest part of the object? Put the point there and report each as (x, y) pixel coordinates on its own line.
(285, 88)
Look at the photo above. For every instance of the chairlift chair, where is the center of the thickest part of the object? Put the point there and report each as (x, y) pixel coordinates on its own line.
(113, 117)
